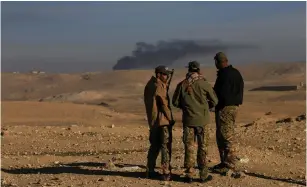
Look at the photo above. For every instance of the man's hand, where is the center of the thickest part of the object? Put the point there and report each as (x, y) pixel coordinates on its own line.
(172, 122)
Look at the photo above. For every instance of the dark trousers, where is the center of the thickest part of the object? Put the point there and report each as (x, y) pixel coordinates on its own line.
(160, 140)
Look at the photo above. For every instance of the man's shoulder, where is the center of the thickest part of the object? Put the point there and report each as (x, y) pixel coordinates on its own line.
(233, 69)
(236, 73)
(201, 80)
(229, 71)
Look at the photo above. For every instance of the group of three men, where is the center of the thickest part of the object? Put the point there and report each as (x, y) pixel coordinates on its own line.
(196, 98)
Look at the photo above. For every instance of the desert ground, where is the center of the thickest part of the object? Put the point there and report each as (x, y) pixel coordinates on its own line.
(90, 129)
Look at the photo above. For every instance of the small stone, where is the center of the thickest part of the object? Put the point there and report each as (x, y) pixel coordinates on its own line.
(280, 140)
(56, 162)
(268, 113)
(244, 160)
(112, 126)
(301, 117)
(101, 179)
(271, 148)
(285, 120)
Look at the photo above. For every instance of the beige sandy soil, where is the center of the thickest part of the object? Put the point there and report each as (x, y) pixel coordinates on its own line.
(72, 130)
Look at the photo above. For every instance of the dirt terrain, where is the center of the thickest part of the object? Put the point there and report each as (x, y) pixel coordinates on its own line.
(90, 130)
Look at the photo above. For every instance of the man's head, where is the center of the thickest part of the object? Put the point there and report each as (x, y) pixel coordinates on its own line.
(221, 60)
(162, 73)
(193, 66)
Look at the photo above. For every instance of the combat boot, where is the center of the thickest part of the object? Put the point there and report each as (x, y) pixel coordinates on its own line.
(221, 169)
(207, 179)
(203, 174)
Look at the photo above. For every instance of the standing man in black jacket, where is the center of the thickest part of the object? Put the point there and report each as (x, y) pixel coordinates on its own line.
(229, 90)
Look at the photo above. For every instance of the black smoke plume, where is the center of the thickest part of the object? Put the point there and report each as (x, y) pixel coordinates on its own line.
(166, 52)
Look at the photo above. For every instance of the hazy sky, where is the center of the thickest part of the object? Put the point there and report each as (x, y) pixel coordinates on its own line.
(92, 36)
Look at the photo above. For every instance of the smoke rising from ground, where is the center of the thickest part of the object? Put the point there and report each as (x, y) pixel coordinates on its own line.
(166, 52)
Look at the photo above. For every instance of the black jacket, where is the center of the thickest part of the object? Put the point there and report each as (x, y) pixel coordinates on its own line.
(229, 87)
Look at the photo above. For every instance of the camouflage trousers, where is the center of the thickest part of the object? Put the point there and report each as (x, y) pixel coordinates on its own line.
(225, 134)
(160, 140)
(196, 139)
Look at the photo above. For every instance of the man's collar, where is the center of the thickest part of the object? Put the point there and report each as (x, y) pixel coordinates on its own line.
(159, 81)
(224, 68)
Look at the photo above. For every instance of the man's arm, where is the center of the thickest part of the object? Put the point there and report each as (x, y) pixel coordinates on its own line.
(221, 89)
(176, 96)
(161, 97)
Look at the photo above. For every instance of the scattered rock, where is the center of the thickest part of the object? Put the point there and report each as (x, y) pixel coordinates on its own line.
(250, 124)
(38, 182)
(271, 148)
(301, 117)
(244, 160)
(104, 104)
(285, 120)
(268, 113)
(112, 126)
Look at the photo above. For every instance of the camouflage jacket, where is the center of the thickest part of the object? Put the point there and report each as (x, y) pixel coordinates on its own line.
(156, 102)
(192, 96)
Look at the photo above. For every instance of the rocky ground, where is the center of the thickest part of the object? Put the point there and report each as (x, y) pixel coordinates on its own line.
(52, 136)
(272, 153)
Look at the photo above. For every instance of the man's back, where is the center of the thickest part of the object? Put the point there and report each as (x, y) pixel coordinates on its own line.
(191, 96)
(149, 100)
(229, 87)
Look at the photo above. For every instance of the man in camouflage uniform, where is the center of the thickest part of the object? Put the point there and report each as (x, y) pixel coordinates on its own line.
(159, 119)
(229, 90)
(192, 96)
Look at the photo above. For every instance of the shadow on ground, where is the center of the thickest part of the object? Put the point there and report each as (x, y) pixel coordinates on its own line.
(75, 168)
